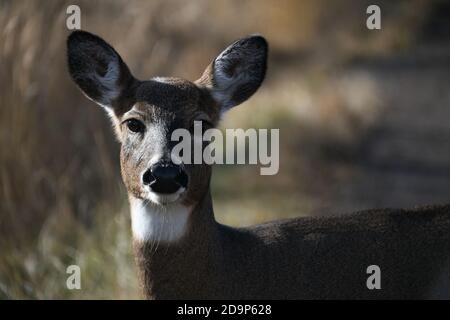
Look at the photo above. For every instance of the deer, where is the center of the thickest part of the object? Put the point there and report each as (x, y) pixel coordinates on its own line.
(182, 252)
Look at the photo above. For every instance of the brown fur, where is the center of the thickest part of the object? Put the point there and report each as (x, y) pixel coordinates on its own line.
(176, 103)
(301, 258)
(304, 258)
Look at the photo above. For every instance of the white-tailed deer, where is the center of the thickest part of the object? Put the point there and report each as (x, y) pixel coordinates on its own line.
(182, 252)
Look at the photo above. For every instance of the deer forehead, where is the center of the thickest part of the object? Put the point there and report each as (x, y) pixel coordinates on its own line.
(171, 100)
(175, 90)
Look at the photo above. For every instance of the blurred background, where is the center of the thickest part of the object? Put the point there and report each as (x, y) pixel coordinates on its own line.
(363, 118)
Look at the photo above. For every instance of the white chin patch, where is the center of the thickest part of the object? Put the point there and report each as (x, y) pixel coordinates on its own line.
(151, 221)
(164, 199)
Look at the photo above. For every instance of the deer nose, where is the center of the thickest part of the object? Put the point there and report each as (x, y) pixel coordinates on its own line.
(165, 178)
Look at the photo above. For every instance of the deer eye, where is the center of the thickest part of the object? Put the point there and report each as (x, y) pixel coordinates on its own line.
(135, 125)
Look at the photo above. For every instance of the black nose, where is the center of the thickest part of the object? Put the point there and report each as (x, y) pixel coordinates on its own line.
(165, 178)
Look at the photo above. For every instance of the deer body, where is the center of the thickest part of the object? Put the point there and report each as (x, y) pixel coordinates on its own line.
(182, 252)
(304, 258)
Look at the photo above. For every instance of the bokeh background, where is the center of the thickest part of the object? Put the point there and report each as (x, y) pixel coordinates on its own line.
(364, 119)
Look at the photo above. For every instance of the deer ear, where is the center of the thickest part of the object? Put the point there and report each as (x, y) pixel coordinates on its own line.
(97, 69)
(237, 72)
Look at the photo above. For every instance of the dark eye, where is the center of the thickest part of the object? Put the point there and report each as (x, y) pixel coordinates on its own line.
(135, 125)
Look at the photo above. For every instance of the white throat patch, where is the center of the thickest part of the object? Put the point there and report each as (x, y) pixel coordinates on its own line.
(150, 222)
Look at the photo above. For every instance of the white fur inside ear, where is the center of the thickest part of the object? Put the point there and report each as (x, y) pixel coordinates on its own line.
(225, 85)
(151, 222)
(109, 88)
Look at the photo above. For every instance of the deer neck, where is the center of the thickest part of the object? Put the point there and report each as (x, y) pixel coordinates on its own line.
(176, 247)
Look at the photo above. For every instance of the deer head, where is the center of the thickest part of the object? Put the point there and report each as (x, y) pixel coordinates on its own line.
(145, 113)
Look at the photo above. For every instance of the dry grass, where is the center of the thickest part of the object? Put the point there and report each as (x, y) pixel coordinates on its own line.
(61, 199)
